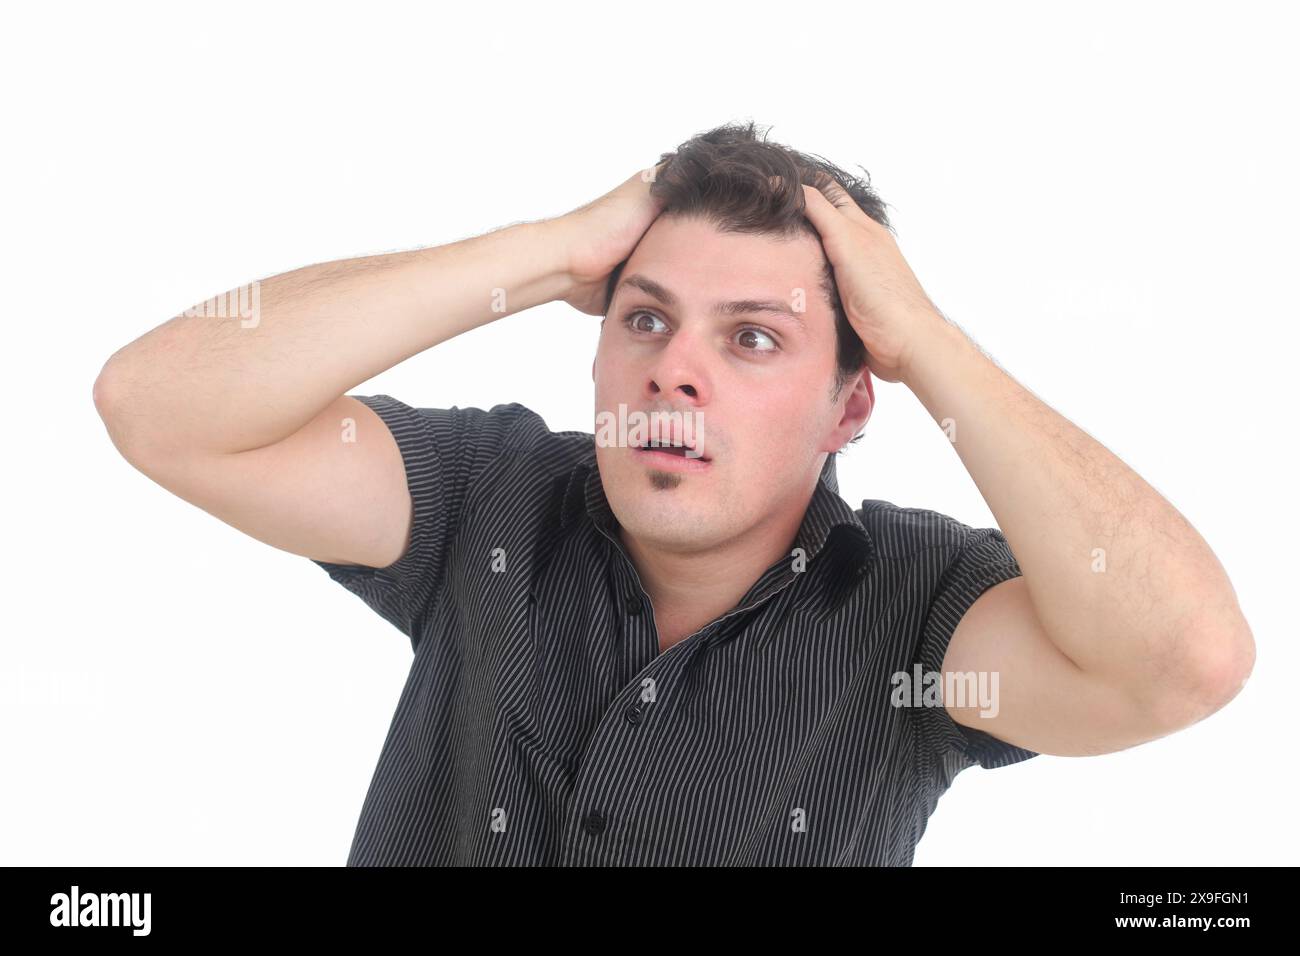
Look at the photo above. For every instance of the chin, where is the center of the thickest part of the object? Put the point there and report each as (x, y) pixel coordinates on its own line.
(669, 528)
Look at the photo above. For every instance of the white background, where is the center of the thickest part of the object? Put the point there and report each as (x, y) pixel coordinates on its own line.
(1104, 196)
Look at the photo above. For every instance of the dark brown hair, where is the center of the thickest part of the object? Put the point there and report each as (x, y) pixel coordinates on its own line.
(722, 176)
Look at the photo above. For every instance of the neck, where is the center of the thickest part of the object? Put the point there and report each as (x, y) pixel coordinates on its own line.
(689, 589)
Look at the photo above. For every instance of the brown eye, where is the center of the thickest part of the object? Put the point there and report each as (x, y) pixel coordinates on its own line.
(748, 335)
(633, 321)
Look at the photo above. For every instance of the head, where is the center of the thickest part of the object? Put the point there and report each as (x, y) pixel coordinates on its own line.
(727, 314)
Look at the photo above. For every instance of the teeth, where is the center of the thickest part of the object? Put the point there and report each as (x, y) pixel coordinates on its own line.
(686, 450)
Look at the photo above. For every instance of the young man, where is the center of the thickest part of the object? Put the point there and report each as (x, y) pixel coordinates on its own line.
(701, 654)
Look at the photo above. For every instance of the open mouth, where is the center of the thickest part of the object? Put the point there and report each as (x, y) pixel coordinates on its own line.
(674, 449)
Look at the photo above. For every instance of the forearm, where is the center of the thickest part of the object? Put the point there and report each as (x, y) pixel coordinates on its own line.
(228, 384)
(1121, 582)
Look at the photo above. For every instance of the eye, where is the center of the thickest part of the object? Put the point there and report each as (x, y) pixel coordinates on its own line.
(630, 320)
(636, 322)
(753, 331)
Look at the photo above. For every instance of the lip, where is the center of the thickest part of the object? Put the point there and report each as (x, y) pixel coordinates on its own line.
(667, 461)
(672, 431)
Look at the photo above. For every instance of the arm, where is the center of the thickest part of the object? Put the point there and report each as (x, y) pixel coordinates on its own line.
(1124, 626)
(246, 417)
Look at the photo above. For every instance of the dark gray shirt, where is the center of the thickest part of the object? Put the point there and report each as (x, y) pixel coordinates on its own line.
(541, 725)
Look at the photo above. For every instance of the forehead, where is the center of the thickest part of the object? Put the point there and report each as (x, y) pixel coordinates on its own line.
(700, 264)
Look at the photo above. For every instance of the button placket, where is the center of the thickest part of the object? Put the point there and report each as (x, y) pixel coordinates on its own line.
(616, 739)
(624, 726)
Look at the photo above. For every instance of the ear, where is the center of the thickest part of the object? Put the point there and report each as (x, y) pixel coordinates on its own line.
(858, 404)
(865, 397)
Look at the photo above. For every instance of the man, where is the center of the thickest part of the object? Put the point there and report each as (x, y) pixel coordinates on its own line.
(682, 646)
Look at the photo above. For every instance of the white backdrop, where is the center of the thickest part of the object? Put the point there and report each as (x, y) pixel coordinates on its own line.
(1104, 196)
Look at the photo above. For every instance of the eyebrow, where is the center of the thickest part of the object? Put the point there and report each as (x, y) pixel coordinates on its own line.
(736, 307)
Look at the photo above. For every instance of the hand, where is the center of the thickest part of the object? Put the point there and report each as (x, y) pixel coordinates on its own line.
(881, 296)
(603, 233)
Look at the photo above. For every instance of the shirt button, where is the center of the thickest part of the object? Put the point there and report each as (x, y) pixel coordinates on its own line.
(633, 714)
(594, 822)
(634, 604)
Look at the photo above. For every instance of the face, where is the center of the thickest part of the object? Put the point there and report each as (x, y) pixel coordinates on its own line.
(756, 382)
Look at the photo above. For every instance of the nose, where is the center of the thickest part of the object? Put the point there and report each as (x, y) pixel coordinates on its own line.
(678, 372)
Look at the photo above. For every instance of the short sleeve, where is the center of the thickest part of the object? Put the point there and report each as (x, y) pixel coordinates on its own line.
(448, 454)
(983, 560)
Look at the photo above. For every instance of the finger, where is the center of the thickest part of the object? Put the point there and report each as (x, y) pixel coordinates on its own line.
(829, 221)
(839, 198)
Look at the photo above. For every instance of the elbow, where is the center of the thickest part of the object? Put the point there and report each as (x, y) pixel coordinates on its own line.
(1215, 669)
(124, 427)
(1229, 664)
(104, 387)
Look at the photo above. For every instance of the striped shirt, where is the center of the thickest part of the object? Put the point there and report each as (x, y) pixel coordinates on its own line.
(541, 725)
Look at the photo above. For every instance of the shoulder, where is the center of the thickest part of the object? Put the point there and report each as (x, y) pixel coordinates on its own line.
(487, 437)
(522, 465)
(531, 446)
(900, 533)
